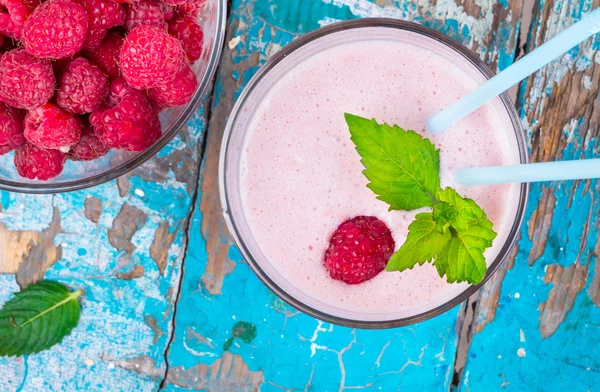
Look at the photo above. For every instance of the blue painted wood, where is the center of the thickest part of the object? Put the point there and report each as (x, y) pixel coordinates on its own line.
(125, 328)
(220, 296)
(120, 342)
(537, 329)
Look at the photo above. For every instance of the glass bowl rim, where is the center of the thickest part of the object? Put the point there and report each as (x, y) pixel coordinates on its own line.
(125, 167)
(263, 72)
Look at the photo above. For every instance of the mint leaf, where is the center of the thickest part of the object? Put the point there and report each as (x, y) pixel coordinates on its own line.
(467, 211)
(37, 318)
(454, 237)
(443, 215)
(402, 166)
(462, 258)
(423, 243)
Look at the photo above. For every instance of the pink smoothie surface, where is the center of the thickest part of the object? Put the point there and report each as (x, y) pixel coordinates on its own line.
(301, 175)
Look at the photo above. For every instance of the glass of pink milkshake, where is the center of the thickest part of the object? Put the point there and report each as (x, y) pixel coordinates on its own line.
(289, 174)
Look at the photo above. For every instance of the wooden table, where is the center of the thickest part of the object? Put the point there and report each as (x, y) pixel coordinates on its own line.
(170, 303)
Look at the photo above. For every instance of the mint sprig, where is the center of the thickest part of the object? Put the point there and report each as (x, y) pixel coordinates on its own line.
(403, 170)
(401, 166)
(37, 318)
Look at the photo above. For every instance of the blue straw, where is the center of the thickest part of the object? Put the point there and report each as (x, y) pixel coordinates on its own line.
(531, 172)
(512, 75)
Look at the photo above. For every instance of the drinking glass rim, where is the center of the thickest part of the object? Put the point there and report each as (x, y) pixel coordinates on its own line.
(264, 71)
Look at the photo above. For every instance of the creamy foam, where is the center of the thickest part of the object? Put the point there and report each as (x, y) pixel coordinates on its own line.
(301, 176)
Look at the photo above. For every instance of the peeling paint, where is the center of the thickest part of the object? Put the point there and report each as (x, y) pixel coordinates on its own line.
(42, 253)
(28, 254)
(143, 365)
(136, 273)
(229, 373)
(554, 277)
(567, 283)
(153, 324)
(159, 250)
(93, 209)
(73, 232)
(129, 220)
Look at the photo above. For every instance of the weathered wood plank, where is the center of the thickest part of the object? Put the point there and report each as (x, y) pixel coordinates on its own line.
(220, 296)
(122, 244)
(537, 328)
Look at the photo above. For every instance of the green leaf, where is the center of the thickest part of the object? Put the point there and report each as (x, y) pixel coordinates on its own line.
(37, 318)
(443, 215)
(453, 236)
(466, 210)
(402, 166)
(423, 243)
(462, 259)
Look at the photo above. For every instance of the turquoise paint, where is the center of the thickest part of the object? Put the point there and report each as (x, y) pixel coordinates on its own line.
(5, 199)
(112, 329)
(300, 19)
(25, 373)
(286, 341)
(465, 31)
(571, 354)
(502, 37)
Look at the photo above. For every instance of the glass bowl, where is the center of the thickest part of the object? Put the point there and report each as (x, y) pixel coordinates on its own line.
(79, 175)
(233, 144)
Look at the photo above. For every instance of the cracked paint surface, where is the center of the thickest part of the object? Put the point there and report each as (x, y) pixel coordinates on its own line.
(546, 309)
(538, 315)
(100, 240)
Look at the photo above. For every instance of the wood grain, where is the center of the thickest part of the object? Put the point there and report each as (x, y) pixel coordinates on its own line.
(100, 240)
(544, 305)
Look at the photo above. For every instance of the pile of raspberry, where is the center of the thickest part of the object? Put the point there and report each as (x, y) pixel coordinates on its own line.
(81, 77)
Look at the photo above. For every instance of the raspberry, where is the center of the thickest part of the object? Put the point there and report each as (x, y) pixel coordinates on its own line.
(150, 57)
(192, 10)
(186, 2)
(25, 82)
(102, 15)
(130, 122)
(190, 34)
(147, 13)
(5, 149)
(82, 87)
(51, 127)
(176, 93)
(359, 250)
(11, 23)
(88, 148)
(168, 10)
(56, 29)
(106, 56)
(11, 127)
(34, 162)
(8, 27)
